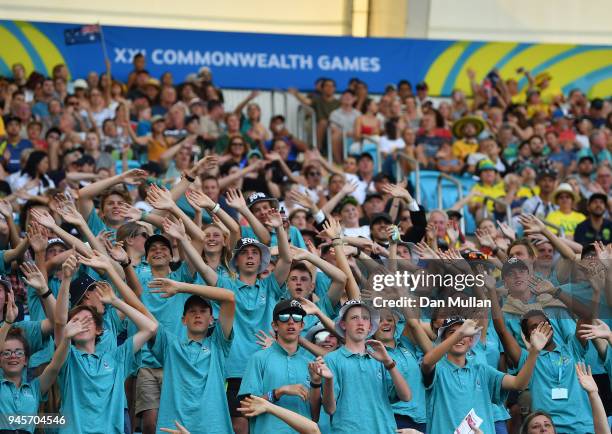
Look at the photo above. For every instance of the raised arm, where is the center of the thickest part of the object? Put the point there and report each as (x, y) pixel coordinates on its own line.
(168, 288)
(19, 250)
(87, 193)
(45, 219)
(468, 329)
(283, 265)
(147, 327)
(585, 377)
(235, 200)
(534, 225)
(201, 200)
(63, 298)
(333, 230)
(301, 98)
(36, 279)
(339, 279)
(242, 104)
(176, 230)
(7, 212)
(538, 340)
(11, 316)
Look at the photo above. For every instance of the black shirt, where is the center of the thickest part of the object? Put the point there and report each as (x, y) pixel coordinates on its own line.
(586, 234)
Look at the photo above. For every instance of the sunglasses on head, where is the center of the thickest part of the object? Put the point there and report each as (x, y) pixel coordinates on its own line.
(296, 317)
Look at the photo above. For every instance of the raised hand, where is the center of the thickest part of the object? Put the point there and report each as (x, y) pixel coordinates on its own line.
(6, 209)
(200, 199)
(469, 328)
(308, 306)
(33, 277)
(485, 239)
(430, 233)
(97, 260)
(349, 187)
(507, 230)
(312, 371)
(303, 200)
(160, 198)
(540, 336)
(76, 326)
(425, 252)
(180, 429)
(118, 253)
(264, 340)
(298, 254)
(452, 230)
(104, 237)
(274, 218)
(175, 229)
(37, 235)
(235, 199)
(398, 191)
(604, 253)
(585, 378)
(322, 369)
(70, 214)
(592, 331)
(331, 229)
(539, 286)
(532, 224)
(69, 266)
(252, 406)
(377, 350)
(43, 217)
(129, 212)
(105, 292)
(134, 176)
(166, 287)
(11, 308)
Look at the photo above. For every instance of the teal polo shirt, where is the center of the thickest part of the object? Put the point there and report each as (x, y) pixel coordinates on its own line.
(408, 365)
(294, 236)
(193, 390)
(364, 393)
(563, 325)
(455, 390)
(608, 362)
(322, 283)
(22, 401)
(43, 354)
(254, 306)
(270, 369)
(4, 267)
(556, 370)
(92, 388)
(489, 353)
(96, 224)
(167, 311)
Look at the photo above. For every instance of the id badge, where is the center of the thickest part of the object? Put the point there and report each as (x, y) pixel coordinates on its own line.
(559, 393)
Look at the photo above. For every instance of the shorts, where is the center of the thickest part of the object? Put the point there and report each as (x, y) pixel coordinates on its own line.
(233, 400)
(148, 389)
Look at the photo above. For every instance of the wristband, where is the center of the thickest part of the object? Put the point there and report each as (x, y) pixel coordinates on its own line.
(46, 294)
(319, 217)
(337, 243)
(271, 396)
(8, 322)
(127, 264)
(143, 214)
(216, 209)
(495, 250)
(274, 396)
(557, 293)
(188, 178)
(314, 385)
(390, 366)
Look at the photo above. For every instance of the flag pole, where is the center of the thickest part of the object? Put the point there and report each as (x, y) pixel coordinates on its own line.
(104, 51)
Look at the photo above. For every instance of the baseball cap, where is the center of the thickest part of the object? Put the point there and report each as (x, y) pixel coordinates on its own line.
(451, 321)
(586, 157)
(195, 300)
(288, 306)
(79, 83)
(512, 264)
(380, 216)
(546, 172)
(156, 118)
(259, 196)
(365, 155)
(245, 242)
(596, 196)
(157, 238)
(486, 164)
(374, 316)
(451, 213)
(254, 152)
(54, 241)
(372, 195)
(78, 288)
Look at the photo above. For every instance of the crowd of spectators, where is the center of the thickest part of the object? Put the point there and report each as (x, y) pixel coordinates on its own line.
(171, 264)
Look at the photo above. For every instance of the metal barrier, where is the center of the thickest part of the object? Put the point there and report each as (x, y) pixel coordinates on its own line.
(399, 173)
(459, 186)
(485, 212)
(303, 112)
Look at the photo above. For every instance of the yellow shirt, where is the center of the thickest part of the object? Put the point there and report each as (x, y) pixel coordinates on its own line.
(495, 191)
(461, 149)
(528, 192)
(566, 221)
(532, 109)
(2, 131)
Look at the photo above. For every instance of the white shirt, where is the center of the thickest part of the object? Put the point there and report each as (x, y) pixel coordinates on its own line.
(361, 231)
(387, 145)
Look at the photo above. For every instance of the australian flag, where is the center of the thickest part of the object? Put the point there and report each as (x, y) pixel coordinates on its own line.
(82, 35)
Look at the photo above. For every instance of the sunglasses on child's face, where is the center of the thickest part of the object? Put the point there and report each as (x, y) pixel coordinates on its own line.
(284, 317)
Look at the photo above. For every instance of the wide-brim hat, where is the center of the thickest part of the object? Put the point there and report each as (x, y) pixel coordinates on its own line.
(244, 242)
(374, 317)
(564, 188)
(458, 125)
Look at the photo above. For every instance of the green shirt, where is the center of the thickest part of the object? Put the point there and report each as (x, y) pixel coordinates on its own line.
(364, 393)
(193, 390)
(92, 388)
(270, 369)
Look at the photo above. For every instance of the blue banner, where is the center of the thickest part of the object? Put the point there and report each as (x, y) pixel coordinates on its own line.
(266, 61)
